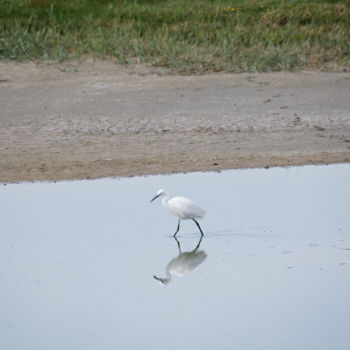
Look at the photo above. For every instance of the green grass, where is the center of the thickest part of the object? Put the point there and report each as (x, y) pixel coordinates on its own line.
(184, 35)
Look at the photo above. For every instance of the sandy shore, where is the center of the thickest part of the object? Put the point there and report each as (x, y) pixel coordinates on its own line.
(99, 119)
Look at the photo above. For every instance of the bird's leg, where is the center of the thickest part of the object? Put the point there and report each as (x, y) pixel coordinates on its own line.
(178, 228)
(178, 244)
(199, 243)
(198, 226)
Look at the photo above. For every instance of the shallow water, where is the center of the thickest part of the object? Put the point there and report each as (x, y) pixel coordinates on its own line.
(77, 261)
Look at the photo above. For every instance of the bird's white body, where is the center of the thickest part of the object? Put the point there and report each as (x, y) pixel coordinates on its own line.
(183, 263)
(181, 207)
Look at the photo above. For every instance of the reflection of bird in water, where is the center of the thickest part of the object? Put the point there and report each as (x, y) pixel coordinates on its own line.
(184, 262)
(181, 207)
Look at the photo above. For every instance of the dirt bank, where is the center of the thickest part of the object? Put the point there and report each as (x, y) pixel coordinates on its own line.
(99, 119)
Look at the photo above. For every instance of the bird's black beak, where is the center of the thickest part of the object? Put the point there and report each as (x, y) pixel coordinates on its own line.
(154, 198)
(161, 280)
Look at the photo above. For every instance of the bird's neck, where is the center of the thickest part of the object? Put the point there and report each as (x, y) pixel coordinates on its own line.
(165, 200)
(167, 279)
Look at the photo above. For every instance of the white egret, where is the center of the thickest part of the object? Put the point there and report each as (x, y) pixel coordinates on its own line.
(181, 207)
(183, 263)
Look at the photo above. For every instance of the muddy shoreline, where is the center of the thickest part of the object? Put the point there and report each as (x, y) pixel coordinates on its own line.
(98, 119)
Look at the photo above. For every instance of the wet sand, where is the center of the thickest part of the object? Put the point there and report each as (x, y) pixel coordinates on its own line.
(97, 119)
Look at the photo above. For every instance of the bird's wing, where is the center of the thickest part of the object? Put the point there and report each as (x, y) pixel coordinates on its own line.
(185, 208)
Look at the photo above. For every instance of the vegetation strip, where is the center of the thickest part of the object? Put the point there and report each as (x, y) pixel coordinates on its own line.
(186, 36)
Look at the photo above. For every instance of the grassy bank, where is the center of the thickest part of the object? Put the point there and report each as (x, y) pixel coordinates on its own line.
(184, 35)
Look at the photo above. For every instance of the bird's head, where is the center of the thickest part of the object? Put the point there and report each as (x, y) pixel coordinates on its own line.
(160, 193)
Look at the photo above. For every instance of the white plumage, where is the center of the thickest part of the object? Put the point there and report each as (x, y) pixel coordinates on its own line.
(181, 207)
(183, 263)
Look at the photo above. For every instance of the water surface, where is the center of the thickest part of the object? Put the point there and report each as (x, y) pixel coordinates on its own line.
(77, 261)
